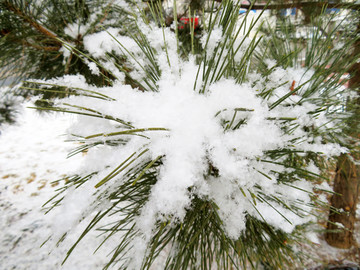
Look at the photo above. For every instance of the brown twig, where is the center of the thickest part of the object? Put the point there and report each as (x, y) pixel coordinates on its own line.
(31, 21)
(301, 4)
(44, 48)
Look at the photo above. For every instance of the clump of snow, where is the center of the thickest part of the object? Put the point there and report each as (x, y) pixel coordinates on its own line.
(211, 43)
(339, 225)
(229, 127)
(75, 30)
(98, 44)
(189, 134)
(66, 51)
(313, 237)
(270, 63)
(93, 68)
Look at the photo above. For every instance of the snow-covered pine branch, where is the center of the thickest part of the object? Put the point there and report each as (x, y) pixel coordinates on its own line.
(202, 158)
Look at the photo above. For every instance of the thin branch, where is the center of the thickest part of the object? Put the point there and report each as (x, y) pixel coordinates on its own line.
(302, 5)
(44, 48)
(31, 21)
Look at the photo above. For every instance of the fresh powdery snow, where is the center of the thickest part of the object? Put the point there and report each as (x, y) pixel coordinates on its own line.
(32, 155)
(186, 128)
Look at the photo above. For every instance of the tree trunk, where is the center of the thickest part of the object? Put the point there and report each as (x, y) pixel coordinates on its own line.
(343, 204)
(347, 178)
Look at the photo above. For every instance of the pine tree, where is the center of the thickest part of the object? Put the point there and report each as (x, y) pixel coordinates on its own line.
(203, 146)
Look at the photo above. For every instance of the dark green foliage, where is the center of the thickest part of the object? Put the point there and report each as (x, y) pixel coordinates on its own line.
(33, 36)
(8, 107)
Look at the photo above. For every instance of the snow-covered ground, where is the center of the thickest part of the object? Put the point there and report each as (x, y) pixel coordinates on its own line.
(32, 155)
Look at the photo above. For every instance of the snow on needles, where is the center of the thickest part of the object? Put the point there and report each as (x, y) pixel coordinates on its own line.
(191, 132)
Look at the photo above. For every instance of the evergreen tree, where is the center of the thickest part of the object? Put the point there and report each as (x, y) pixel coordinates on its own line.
(203, 146)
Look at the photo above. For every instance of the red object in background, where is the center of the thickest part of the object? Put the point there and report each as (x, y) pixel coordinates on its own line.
(185, 21)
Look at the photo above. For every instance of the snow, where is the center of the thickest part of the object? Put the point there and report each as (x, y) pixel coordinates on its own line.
(210, 44)
(75, 30)
(185, 128)
(32, 155)
(25, 186)
(188, 130)
(99, 43)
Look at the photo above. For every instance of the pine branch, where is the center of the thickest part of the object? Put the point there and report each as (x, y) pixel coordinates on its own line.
(9, 6)
(206, 234)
